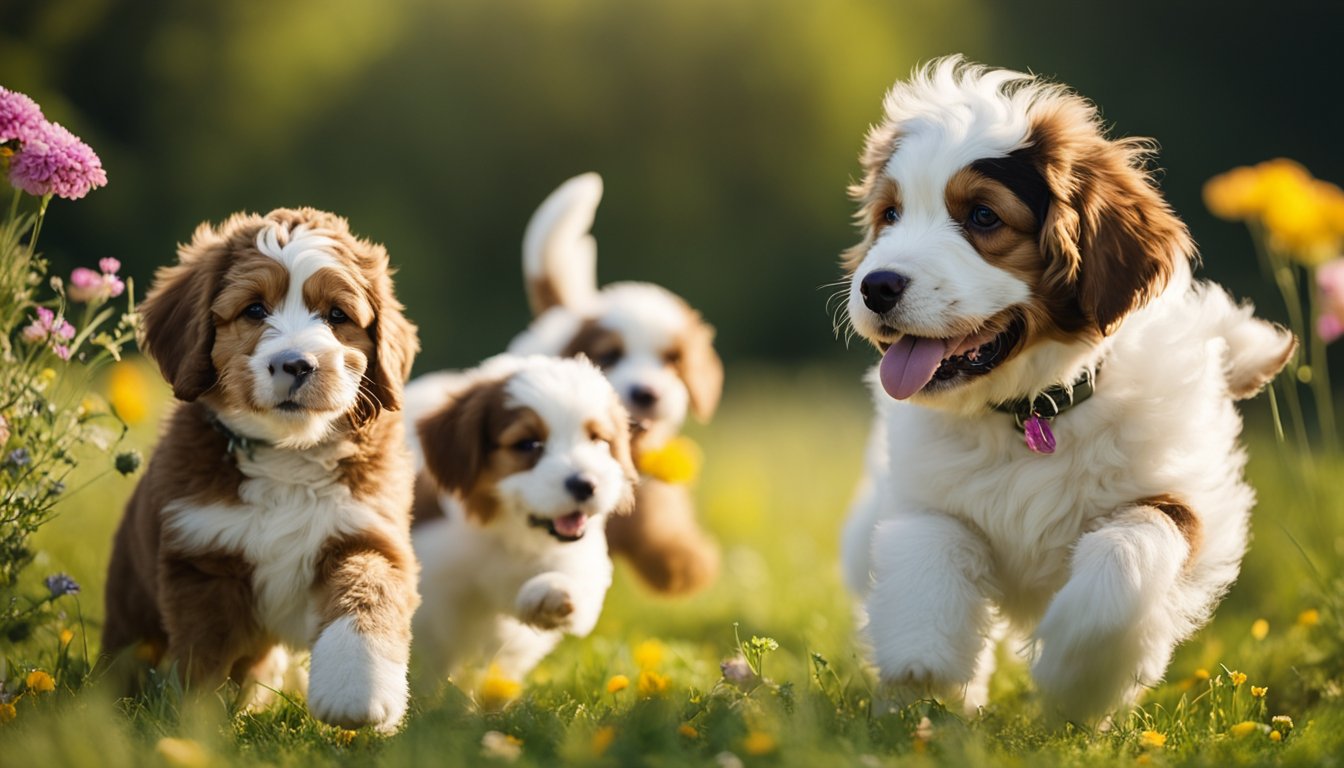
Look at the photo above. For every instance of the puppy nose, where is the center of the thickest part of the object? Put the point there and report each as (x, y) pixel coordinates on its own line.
(580, 487)
(643, 396)
(882, 289)
(295, 364)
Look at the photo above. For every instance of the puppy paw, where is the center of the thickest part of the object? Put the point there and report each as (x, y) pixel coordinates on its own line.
(351, 684)
(546, 603)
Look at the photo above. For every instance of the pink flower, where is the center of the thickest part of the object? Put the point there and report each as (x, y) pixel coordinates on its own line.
(4, 430)
(53, 161)
(49, 327)
(1330, 278)
(20, 116)
(87, 285)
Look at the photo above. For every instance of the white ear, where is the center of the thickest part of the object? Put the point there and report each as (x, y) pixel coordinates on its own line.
(559, 254)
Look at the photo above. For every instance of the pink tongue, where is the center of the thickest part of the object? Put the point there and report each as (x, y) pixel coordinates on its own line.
(570, 525)
(909, 364)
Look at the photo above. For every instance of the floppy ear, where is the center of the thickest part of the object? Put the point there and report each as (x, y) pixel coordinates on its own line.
(620, 450)
(1108, 233)
(455, 439)
(701, 369)
(395, 339)
(177, 328)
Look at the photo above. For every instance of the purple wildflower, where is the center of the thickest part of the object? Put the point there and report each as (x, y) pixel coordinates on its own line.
(60, 584)
(87, 285)
(737, 671)
(49, 327)
(20, 117)
(19, 457)
(53, 161)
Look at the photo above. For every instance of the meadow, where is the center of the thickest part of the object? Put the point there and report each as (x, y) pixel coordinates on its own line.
(647, 687)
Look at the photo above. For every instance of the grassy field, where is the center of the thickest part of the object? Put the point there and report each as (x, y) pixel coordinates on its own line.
(783, 457)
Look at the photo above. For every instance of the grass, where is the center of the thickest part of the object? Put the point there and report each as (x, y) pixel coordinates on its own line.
(783, 457)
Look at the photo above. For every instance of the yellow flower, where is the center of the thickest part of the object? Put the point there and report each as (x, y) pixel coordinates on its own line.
(1260, 629)
(617, 683)
(498, 690)
(1244, 728)
(1275, 736)
(1258, 692)
(649, 654)
(651, 683)
(1237, 678)
(1233, 195)
(676, 461)
(66, 637)
(1282, 723)
(1152, 740)
(91, 404)
(182, 753)
(40, 682)
(1309, 618)
(1144, 759)
(602, 739)
(7, 712)
(126, 389)
(688, 730)
(1201, 674)
(758, 743)
(344, 736)
(1302, 215)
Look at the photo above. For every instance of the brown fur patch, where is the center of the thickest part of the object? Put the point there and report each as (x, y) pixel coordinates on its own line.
(541, 295)
(426, 505)
(698, 366)
(1182, 516)
(603, 346)
(371, 578)
(663, 541)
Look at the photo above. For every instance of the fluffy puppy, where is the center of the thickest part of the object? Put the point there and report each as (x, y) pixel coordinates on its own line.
(527, 458)
(275, 511)
(657, 352)
(1056, 445)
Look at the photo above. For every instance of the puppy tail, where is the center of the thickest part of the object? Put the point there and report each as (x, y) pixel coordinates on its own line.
(1256, 349)
(559, 254)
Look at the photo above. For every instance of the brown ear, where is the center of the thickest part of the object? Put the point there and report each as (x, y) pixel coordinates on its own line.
(395, 338)
(620, 450)
(1108, 233)
(456, 440)
(701, 369)
(177, 328)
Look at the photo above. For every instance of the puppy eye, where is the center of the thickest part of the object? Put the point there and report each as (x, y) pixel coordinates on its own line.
(256, 311)
(609, 358)
(599, 439)
(336, 316)
(673, 357)
(983, 217)
(527, 445)
(891, 215)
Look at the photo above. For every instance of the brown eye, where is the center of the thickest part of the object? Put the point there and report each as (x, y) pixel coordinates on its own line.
(983, 217)
(673, 357)
(891, 215)
(608, 358)
(337, 316)
(256, 311)
(527, 445)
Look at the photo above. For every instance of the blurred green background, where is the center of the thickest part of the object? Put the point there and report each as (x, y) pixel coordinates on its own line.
(726, 131)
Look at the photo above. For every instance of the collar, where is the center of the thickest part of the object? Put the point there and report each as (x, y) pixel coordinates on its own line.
(1033, 416)
(237, 442)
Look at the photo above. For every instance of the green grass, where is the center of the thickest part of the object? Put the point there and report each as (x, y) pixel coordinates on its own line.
(782, 459)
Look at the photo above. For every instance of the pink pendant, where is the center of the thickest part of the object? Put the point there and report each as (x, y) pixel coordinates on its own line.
(1039, 437)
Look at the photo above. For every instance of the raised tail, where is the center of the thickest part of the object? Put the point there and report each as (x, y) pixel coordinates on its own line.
(559, 253)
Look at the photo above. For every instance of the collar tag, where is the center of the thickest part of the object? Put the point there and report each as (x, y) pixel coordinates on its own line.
(1040, 438)
(1033, 416)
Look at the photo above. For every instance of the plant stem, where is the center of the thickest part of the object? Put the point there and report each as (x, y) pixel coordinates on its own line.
(1320, 377)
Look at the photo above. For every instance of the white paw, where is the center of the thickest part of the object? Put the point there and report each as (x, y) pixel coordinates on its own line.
(351, 684)
(545, 604)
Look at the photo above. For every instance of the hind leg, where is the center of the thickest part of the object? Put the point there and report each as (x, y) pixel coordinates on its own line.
(663, 541)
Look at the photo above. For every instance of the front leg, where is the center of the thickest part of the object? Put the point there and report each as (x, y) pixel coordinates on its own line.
(207, 607)
(1112, 627)
(928, 615)
(557, 600)
(359, 662)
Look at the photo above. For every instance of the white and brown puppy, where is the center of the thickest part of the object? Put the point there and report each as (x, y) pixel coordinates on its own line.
(657, 352)
(1056, 444)
(528, 456)
(275, 512)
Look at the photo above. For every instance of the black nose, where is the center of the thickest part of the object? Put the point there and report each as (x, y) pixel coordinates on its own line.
(882, 289)
(296, 364)
(642, 396)
(580, 487)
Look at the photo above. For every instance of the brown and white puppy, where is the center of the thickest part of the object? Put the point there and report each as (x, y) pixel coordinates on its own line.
(657, 352)
(528, 458)
(1056, 445)
(275, 511)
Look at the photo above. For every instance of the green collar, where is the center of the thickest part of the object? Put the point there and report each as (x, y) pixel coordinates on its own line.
(1033, 416)
(237, 442)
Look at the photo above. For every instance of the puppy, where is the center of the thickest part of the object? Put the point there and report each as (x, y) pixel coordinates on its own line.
(658, 354)
(528, 456)
(275, 512)
(1056, 444)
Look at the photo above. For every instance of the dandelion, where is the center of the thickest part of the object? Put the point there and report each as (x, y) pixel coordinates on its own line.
(617, 683)
(1152, 740)
(602, 739)
(40, 682)
(1260, 629)
(1245, 728)
(345, 737)
(182, 753)
(66, 636)
(126, 387)
(1309, 618)
(676, 461)
(1258, 692)
(501, 746)
(53, 161)
(758, 743)
(688, 730)
(7, 712)
(649, 654)
(1237, 678)
(651, 683)
(60, 585)
(1275, 736)
(498, 690)
(20, 116)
